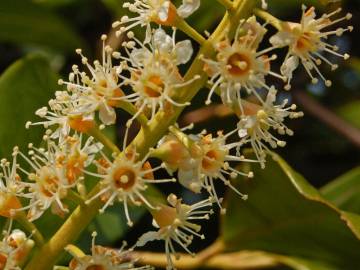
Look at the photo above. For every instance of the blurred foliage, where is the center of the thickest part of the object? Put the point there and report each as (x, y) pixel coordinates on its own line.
(23, 22)
(25, 86)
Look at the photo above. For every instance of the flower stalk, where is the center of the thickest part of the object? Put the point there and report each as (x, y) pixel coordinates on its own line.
(189, 30)
(269, 18)
(228, 4)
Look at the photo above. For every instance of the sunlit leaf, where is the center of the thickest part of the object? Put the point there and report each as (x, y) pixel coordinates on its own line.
(344, 191)
(286, 215)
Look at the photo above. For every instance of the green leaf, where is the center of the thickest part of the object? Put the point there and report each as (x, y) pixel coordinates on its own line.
(344, 191)
(25, 86)
(24, 22)
(351, 113)
(286, 215)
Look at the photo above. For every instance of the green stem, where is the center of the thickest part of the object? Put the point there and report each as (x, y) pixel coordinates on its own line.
(46, 257)
(98, 135)
(189, 30)
(228, 4)
(30, 227)
(146, 138)
(131, 109)
(278, 24)
(73, 196)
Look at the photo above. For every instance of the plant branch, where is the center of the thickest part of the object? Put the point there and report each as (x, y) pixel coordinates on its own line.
(328, 117)
(132, 110)
(214, 258)
(269, 18)
(185, 262)
(189, 30)
(98, 135)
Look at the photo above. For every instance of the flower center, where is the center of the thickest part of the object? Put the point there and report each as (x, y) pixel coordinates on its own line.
(154, 86)
(306, 43)
(49, 183)
(95, 267)
(79, 124)
(124, 178)
(238, 64)
(74, 167)
(211, 161)
(105, 90)
(165, 216)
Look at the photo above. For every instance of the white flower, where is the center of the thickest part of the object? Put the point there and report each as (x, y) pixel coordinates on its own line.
(102, 258)
(54, 171)
(201, 159)
(11, 187)
(125, 179)
(100, 90)
(239, 66)
(64, 115)
(255, 125)
(307, 41)
(155, 77)
(176, 225)
(162, 12)
(14, 248)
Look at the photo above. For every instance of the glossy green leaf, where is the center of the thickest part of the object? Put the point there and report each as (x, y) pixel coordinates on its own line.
(286, 215)
(23, 22)
(25, 86)
(344, 191)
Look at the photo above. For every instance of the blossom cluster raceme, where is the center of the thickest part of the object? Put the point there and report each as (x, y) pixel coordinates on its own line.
(145, 78)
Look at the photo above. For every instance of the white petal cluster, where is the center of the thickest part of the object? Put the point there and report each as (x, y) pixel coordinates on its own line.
(201, 159)
(124, 179)
(240, 68)
(307, 41)
(175, 224)
(155, 77)
(254, 127)
(162, 12)
(54, 170)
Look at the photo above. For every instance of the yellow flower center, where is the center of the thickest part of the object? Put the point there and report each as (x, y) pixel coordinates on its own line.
(154, 86)
(124, 178)
(239, 64)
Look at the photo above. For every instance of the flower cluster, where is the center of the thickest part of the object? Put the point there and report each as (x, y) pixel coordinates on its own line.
(145, 79)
